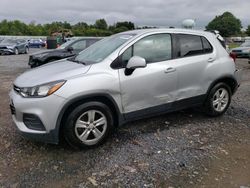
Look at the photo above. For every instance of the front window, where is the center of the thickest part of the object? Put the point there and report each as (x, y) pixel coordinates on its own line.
(102, 49)
(153, 48)
(65, 45)
(80, 45)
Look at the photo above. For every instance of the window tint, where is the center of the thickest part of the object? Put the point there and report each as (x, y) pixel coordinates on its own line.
(189, 45)
(207, 48)
(79, 45)
(154, 48)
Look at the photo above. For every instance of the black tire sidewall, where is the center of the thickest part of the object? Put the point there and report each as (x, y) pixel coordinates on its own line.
(69, 126)
(209, 108)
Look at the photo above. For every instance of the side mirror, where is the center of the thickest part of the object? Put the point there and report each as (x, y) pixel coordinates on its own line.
(70, 49)
(134, 63)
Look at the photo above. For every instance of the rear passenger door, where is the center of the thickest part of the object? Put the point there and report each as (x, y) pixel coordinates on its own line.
(194, 54)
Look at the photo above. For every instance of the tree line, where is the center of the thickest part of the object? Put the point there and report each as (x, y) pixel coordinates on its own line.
(227, 24)
(100, 28)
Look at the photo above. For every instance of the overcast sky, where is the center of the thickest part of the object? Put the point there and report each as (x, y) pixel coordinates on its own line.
(141, 12)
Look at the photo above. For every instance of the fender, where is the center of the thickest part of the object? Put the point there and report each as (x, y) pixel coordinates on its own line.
(225, 78)
(120, 117)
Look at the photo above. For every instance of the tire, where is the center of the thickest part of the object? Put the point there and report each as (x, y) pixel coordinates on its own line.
(81, 129)
(218, 100)
(26, 50)
(16, 52)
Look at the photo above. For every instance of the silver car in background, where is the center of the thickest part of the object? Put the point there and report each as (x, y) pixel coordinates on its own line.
(243, 50)
(13, 46)
(124, 77)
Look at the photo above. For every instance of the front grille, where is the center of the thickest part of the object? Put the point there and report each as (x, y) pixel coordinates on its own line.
(33, 122)
(3, 48)
(12, 109)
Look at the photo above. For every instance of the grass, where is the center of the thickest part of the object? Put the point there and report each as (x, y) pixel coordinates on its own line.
(233, 45)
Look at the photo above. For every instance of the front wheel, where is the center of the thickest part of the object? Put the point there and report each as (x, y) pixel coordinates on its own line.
(16, 51)
(218, 100)
(88, 125)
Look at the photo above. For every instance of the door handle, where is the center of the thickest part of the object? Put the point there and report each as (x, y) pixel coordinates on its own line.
(170, 69)
(210, 60)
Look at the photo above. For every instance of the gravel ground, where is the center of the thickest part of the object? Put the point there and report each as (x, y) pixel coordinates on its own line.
(181, 149)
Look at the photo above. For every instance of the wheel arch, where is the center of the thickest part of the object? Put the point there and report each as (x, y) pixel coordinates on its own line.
(228, 79)
(99, 97)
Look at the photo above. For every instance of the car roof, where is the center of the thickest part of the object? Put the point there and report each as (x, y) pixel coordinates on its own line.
(167, 30)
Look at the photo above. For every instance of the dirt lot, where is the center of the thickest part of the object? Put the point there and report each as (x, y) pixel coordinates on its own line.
(182, 149)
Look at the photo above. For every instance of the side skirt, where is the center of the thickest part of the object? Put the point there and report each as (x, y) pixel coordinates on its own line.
(165, 108)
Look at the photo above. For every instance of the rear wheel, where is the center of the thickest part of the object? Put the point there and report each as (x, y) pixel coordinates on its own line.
(218, 100)
(88, 125)
(26, 50)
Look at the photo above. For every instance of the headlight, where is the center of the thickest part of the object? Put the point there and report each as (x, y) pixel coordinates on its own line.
(246, 51)
(41, 90)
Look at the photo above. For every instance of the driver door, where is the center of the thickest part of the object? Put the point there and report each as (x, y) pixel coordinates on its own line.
(153, 86)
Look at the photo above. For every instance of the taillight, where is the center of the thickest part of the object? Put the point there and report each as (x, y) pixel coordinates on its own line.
(233, 56)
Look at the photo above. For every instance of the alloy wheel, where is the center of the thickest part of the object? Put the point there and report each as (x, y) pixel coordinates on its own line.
(91, 126)
(220, 99)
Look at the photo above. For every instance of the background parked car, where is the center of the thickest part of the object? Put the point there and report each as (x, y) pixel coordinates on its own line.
(37, 43)
(11, 46)
(67, 49)
(243, 50)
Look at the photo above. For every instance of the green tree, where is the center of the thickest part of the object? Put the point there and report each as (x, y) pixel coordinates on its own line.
(128, 25)
(248, 30)
(227, 24)
(101, 24)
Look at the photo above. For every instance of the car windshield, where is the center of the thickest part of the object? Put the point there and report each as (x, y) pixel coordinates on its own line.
(66, 44)
(245, 44)
(8, 41)
(102, 49)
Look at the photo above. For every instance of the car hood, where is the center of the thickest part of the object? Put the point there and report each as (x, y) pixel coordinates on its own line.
(59, 70)
(241, 48)
(46, 52)
(7, 44)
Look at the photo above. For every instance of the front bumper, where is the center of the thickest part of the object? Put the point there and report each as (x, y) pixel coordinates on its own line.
(34, 61)
(7, 51)
(46, 109)
(242, 54)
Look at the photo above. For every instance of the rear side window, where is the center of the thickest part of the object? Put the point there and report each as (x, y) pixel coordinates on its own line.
(189, 45)
(154, 48)
(207, 47)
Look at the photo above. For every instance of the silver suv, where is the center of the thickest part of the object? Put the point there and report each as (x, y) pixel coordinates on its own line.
(124, 77)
